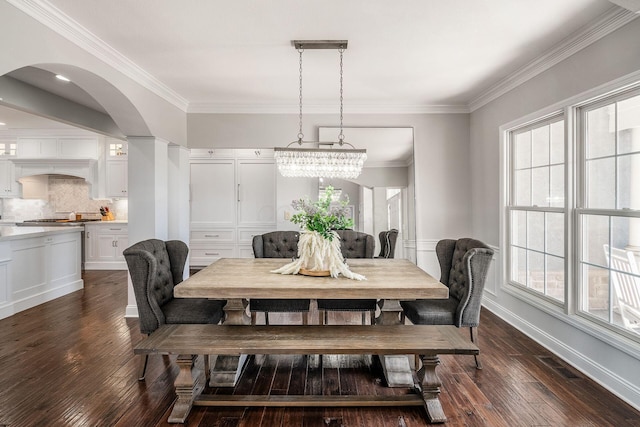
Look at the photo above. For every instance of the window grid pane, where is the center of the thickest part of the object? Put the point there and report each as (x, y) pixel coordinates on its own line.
(609, 221)
(537, 225)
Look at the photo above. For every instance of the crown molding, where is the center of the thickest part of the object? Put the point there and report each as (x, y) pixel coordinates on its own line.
(218, 108)
(610, 21)
(48, 15)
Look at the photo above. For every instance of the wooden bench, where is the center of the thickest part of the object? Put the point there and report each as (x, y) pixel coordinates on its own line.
(188, 341)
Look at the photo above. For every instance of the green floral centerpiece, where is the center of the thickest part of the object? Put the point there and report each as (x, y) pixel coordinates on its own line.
(319, 251)
(322, 216)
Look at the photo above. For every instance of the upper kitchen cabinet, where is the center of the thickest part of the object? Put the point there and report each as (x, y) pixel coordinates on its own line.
(7, 148)
(116, 167)
(57, 148)
(8, 185)
(117, 149)
(117, 179)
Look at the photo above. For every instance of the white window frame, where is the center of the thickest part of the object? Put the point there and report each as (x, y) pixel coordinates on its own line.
(529, 123)
(567, 314)
(580, 209)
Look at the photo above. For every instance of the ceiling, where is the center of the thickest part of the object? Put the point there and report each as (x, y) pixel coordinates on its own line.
(403, 56)
(227, 55)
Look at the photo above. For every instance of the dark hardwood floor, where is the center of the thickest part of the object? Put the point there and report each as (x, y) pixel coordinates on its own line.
(69, 362)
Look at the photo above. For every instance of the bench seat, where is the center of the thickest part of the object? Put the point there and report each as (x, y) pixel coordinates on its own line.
(310, 339)
(188, 341)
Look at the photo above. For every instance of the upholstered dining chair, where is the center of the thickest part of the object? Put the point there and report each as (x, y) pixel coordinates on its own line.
(277, 244)
(353, 244)
(155, 267)
(463, 268)
(388, 243)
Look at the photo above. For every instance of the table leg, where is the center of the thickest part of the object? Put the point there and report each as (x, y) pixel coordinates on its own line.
(226, 370)
(397, 368)
(430, 384)
(188, 388)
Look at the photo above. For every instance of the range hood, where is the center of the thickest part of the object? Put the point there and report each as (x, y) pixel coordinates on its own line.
(82, 168)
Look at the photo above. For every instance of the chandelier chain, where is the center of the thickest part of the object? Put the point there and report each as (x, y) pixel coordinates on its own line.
(341, 135)
(300, 134)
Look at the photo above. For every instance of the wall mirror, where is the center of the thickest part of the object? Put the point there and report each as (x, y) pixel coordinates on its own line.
(383, 196)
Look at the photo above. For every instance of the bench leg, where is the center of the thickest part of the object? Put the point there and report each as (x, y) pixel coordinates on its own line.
(225, 370)
(430, 384)
(397, 368)
(188, 387)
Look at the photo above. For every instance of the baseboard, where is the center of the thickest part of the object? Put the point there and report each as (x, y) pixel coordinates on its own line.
(131, 311)
(13, 307)
(115, 265)
(617, 385)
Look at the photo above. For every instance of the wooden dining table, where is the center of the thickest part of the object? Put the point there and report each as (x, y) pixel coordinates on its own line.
(237, 280)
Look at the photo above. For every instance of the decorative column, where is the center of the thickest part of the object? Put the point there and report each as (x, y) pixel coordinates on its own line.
(178, 197)
(148, 195)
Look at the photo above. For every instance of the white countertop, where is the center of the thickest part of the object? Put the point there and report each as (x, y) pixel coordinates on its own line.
(8, 232)
(117, 221)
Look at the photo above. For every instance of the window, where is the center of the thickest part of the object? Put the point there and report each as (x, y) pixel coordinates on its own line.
(536, 209)
(608, 211)
(572, 218)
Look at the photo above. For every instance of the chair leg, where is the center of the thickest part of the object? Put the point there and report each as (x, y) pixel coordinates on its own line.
(320, 317)
(253, 318)
(144, 364)
(266, 317)
(305, 317)
(372, 316)
(207, 372)
(473, 331)
(364, 318)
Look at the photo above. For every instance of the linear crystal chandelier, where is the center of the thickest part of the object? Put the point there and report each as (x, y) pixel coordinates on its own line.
(324, 160)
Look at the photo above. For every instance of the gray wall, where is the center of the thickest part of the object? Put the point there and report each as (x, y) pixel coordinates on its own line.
(612, 57)
(441, 150)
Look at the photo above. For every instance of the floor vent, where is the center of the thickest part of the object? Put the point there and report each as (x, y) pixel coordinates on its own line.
(559, 366)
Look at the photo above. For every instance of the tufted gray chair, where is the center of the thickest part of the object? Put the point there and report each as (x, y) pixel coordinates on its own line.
(277, 244)
(353, 244)
(388, 243)
(155, 268)
(463, 268)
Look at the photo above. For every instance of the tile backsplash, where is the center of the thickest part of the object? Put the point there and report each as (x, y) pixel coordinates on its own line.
(65, 195)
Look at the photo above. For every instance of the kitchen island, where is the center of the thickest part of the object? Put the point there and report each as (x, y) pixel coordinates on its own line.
(38, 264)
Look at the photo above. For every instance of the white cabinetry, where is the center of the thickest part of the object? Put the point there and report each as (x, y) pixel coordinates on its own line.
(233, 197)
(213, 193)
(57, 148)
(39, 269)
(117, 179)
(8, 185)
(116, 173)
(104, 243)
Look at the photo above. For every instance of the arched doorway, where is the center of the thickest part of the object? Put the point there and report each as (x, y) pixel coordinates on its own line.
(92, 103)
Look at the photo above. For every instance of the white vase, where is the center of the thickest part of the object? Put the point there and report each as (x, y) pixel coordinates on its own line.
(318, 254)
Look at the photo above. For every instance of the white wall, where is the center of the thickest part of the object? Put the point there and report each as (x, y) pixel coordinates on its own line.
(616, 367)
